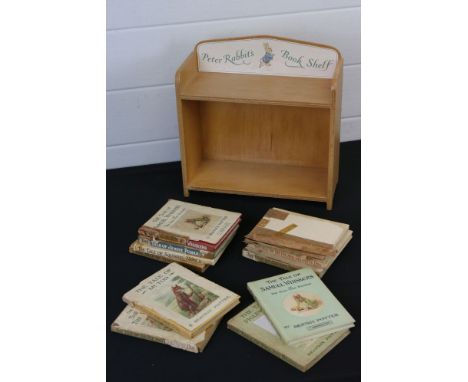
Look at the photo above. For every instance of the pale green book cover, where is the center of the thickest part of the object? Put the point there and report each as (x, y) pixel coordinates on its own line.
(252, 324)
(300, 306)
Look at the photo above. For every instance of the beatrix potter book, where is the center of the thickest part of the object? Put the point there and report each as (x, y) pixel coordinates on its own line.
(300, 306)
(181, 299)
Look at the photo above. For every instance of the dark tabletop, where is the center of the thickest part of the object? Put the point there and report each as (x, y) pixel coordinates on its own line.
(135, 194)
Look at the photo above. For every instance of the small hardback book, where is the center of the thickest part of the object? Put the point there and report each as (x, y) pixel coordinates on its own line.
(191, 225)
(300, 306)
(133, 323)
(164, 256)
(291, 259)
(252, 324)
(181, 299)
(175, 250)
(296, 231)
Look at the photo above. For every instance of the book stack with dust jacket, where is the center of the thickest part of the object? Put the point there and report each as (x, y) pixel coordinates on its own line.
(175, 307)
(295, 317)
(289, 240)
(189, 234)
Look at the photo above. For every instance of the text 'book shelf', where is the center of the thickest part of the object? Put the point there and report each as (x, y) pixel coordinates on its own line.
(254, 134)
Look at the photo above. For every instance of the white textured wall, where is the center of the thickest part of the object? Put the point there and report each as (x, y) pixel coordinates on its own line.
(147, 40)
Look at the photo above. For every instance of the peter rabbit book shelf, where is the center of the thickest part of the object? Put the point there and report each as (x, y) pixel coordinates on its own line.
(260, 115)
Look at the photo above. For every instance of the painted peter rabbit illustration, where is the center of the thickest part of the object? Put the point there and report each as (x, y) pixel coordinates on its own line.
(265, 60)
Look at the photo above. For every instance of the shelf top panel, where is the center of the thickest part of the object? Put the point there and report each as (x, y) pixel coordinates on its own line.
(247, 88)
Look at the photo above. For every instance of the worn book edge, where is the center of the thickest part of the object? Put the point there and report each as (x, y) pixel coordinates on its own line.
(200, 267)
(150, 249)
(158, 335)
(247, 324)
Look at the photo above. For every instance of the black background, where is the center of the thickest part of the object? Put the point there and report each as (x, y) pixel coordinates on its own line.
(135, 194)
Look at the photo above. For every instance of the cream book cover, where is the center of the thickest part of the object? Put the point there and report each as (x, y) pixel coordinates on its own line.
(181, 299)
(190, 224)
(252, 324)
(133, 323)
(292, 230)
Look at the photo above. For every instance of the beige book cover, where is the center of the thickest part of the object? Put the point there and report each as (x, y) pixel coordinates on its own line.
(181, 299)
(305, 233)
(252, 324)
(160, 255)
(133, 323)
(192, 225)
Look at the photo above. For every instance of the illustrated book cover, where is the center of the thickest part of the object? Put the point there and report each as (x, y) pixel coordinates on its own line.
(191, 225)
(300, 306)
(305, 233)
(181, 299)
(252, 324)
(133, 323)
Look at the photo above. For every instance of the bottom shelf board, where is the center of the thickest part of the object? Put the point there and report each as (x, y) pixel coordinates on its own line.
(261, 179)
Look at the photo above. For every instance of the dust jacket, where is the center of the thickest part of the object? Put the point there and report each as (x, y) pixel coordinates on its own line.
(181, 299)
(300, 306)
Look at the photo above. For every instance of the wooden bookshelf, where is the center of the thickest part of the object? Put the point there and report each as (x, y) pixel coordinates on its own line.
(262, 135)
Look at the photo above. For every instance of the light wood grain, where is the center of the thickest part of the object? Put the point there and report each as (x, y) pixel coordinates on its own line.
(259, 135)
(265, 133)
(248, 88)
(247, 178)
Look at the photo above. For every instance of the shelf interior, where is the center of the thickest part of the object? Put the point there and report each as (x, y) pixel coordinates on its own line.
(264, 179)
(256, 149)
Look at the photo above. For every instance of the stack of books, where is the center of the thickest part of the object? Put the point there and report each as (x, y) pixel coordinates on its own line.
(175, 307)
(295, 317)
(189, 234)
(289, 240)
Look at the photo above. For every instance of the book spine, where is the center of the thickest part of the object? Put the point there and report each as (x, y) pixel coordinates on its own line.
(193, 266)
(273, 263)
(170, 342)
(284, 256)
(172, 247)
(209, 247)
(172, 254)
(153, 234)
(156, 234)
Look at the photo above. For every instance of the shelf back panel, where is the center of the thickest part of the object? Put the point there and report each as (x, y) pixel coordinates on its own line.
(265, 133)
